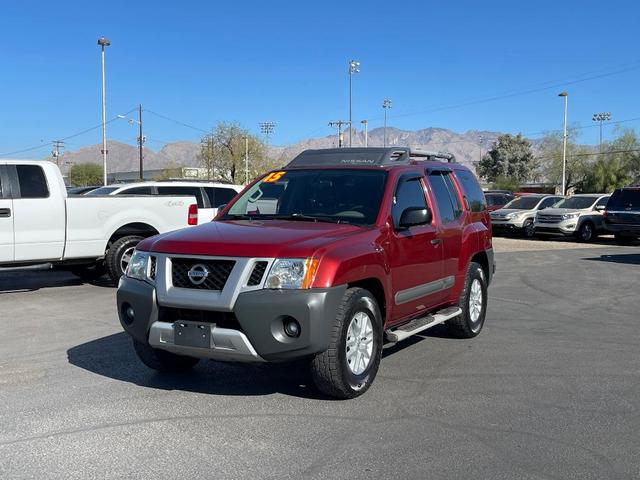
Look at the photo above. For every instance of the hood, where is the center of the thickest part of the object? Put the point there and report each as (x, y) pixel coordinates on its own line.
(503, 212)
(251, 238)
(562, 211)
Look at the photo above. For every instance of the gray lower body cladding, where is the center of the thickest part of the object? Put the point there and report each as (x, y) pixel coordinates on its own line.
(260, 316)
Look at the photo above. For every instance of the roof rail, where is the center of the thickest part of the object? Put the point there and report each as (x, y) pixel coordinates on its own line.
(365, 157)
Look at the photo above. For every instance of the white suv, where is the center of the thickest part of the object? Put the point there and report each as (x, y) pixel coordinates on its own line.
(210, 196)
(579, 215)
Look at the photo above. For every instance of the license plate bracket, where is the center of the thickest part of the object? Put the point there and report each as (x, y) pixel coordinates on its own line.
(192, 334)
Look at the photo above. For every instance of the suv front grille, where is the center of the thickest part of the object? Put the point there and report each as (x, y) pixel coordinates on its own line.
(152, 268)
(257, 274)
(549, 218)
(218, 272)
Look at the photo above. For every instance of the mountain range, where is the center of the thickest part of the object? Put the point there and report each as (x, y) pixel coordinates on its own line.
(123, 158)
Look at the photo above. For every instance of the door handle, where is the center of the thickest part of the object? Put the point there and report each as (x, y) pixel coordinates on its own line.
(435, 241)
(5, 212)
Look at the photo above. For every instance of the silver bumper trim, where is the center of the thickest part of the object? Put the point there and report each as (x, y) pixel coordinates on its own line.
(226, 344)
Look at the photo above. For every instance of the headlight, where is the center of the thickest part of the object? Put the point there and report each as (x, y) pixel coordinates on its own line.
(292, 273)
(137, 267)
(567, 216)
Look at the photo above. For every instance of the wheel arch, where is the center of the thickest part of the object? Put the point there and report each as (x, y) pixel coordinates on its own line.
(136, 228)
(376, 288)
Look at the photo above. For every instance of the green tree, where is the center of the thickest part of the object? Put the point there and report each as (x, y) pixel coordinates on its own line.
(223, 154)
(579, 159)
(627, 144)
(510, 157)
(85, 174)
(605, 175)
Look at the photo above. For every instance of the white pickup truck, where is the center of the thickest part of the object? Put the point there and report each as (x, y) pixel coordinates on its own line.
(90, 236)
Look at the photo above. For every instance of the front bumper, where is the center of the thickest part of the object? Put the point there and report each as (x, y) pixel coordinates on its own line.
(257, 333)
(566, 227)
(506, 225)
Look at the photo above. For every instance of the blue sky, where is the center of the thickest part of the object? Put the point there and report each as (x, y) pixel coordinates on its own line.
(202, 62)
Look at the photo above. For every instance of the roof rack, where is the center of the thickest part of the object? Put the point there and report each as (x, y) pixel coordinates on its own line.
(366, 157)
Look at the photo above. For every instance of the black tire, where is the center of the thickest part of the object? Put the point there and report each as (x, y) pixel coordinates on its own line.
(623, 239)
(89, 273)
(330, 369)
(161, 360)
(116, 254)
(586, 233)
(528, 230)
(463, 326)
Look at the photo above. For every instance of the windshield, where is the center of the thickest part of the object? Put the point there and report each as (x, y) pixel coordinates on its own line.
(576, 202)
(341, 196)
(103, 191)
(523, 203)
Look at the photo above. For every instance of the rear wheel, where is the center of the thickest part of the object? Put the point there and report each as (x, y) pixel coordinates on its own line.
(348, 367)
(161, 360)
(119, 255)
(473, 303)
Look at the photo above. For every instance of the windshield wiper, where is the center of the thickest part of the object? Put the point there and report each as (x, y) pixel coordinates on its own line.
(308, 218)
(238, 216)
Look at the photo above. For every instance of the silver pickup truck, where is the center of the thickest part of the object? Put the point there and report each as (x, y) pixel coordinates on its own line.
(580, 216)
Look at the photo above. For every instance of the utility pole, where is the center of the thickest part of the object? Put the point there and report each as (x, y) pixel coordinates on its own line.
(267, 129)
(212, 166)
(386, 105)
(246, 160)
(480, 140)
(140, 140)
(103, 42)
(55, 153)
(601, 117)
(339, 124)
(366, 132)
(564, 142)
(353, 68)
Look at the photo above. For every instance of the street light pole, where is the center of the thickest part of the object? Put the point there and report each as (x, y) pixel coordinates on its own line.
(103, 42)
(246, 160)
(386, 105)
(564, 142)
(366, 132)
(140, 140)
(601, 117)
(353, 68)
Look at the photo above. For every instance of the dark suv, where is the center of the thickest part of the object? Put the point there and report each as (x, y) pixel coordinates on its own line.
(622, 214)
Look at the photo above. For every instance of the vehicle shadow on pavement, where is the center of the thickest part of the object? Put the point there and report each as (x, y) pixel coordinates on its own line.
(17, 282)
(438, 331)
(113, 356)
(628, 258)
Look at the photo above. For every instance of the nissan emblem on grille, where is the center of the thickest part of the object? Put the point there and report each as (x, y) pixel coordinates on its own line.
(198, 274)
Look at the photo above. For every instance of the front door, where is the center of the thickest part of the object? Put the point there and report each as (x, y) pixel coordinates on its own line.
(414, 254)
(6, 219)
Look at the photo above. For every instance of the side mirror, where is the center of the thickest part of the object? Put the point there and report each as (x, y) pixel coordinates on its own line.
(600, 208)
(413, 216)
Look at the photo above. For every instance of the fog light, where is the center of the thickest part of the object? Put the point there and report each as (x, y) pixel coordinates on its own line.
(128, 314)
(291, 327)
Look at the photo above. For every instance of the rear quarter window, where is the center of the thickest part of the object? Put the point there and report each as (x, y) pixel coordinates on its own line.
(33, 183)
(177, 190)
(472, 191)
(625, 198)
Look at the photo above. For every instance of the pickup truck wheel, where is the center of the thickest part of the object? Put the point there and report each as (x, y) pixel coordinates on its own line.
(473, 303)
(89, 273)
(347, 368)
(119, 254)
(528, 229)
(586, 232)
(161, 360)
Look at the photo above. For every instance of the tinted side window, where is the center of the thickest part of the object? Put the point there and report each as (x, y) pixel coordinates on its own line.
(408, 194)
(223, 196)
(473, 192)
(137, 191)
(453, 194)
(626, 199)
(195, 191)
(442, 197)
(32, 181)
(602, 202)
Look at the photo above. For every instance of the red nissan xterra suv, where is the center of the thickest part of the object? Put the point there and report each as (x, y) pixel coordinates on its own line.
(332, 256)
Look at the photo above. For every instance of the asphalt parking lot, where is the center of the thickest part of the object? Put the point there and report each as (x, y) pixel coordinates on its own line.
(550, 389)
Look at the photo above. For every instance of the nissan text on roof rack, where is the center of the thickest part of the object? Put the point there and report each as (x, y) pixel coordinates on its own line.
(326, 259)
(90, 236)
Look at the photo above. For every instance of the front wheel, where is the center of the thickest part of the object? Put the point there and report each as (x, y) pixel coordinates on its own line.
(528, 229)
(161, 360)
(473, 303)
(586, 232)
(348, 367)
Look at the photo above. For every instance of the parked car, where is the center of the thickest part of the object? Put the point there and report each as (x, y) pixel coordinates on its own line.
(40, 223)
(81, 190)
(519, 214)
(622, 214)
(580, 216)
(210, 196)
(497, 200)
(364, 243)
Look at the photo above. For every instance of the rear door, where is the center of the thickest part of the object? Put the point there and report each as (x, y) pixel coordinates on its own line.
(39, 217)
(205, 212)
(414, 254)
(624, 207)
(6, 218)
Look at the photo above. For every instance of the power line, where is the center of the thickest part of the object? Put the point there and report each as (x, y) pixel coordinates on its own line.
(177, 121)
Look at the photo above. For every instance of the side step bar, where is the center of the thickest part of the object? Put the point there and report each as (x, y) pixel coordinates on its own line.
(418, 325)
